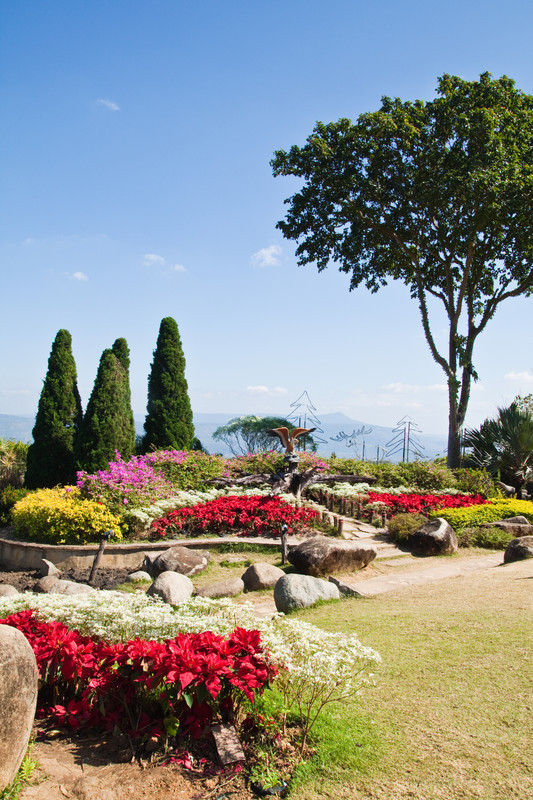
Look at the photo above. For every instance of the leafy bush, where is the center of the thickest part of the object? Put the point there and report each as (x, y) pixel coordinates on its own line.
(489, 512)
(476, 481)
(8, 497)
(13, 457)
(272, 463)
(401, 526)
(61, 516)
(190, 469)
(421, 475)
(492, 538)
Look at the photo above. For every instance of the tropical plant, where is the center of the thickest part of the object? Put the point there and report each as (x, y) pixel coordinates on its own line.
(50, 459)
(168, 423)
(13, 456)
(437, 194)
(248, 434)
(504, 446)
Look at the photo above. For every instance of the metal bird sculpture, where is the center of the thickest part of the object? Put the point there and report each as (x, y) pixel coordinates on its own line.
(288, 440)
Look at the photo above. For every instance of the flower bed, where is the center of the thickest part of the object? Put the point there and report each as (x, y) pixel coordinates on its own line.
(145, 688)
(238, 514)
(423, 503)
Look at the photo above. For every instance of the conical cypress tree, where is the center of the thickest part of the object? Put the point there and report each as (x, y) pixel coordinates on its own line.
(51, 456)
(108, 422)
(168, 421)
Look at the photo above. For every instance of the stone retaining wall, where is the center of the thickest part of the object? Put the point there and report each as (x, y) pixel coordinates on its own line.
(18, 555)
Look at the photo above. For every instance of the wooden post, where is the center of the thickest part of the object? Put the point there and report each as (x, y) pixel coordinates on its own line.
(98, 556)
(340, 526)
(352, 508)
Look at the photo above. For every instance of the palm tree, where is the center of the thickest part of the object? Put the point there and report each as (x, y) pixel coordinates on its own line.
(504, 446)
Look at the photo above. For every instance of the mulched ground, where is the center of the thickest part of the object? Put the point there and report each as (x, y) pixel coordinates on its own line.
(105, 578)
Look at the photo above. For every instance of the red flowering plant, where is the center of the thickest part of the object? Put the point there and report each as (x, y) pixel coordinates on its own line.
(422, 503)
(242, 515)
(144, 688)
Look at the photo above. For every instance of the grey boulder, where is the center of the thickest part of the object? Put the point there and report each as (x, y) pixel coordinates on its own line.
(321, 555)
(516, 526)
(226, 588)
(6, 590)
(70, 588)
(180, 559)
(261, 576)
(519, 549)
(172, 587)
(434, 538)
(300, 591)
(18, 698)
(140, 575)
(48, 568)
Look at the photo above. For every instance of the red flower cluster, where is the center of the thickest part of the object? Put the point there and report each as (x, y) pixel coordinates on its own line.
(421, 503)
(238, 514)
(143, 687)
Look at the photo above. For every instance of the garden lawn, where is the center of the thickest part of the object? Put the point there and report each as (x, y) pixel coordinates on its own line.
(450, 717)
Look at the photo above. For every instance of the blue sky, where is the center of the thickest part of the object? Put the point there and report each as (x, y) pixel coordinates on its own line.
(135, 184)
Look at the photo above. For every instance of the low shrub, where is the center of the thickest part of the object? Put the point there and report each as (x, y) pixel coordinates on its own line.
(476, 481)
(61, 516)
(272, 462)
(421, 475)
(8, 497)
(491, 538)
(191, 470)
(488, 512)
(241, 515)
(401, 526)
(423, 503)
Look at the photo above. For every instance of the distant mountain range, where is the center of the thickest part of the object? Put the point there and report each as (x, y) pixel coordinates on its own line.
(374, 439)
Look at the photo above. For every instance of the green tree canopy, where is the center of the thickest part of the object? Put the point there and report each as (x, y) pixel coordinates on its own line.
(168, 421)
(436, 194)
(247, 434)
(108, 422)
(50, 459)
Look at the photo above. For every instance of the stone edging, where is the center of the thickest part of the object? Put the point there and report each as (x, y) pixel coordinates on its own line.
(19, 555)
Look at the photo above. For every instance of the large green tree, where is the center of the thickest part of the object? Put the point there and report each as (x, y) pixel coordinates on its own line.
(50, 459)
(168, 421)
(108, 422)
(436, 194)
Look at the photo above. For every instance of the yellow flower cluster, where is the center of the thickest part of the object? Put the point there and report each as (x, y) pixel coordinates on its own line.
(61, 516)
(489, 512)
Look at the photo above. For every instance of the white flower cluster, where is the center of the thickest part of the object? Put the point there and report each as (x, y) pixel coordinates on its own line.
(358, 490)
(298, 649)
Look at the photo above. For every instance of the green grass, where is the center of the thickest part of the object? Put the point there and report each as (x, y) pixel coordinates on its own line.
(450, 715)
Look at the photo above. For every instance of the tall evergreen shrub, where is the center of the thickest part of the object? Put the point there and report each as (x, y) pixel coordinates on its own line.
(108, 422)
(168, 421)
(50, 459)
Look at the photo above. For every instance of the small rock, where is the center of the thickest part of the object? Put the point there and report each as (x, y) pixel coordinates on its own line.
(70, 588)
(519, 549)
(514, 525)
(226, 588)
(140, 575)
(172, 587)
(434, 538)
(18, 698)
(47, 568)
(45, 584)
(148, 562)
(300, 591)
(6, 590)
(261, 576)
(344, 589)
(181, 559)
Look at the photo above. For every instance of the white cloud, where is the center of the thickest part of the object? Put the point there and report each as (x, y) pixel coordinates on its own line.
(267, 256)
(279, 390)
(108, 104)
(264, 390)
(151, 258)
(178, 268)
(437, 387)
(257, 389)
(407, 388)
(80, 276)
(524, 377)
